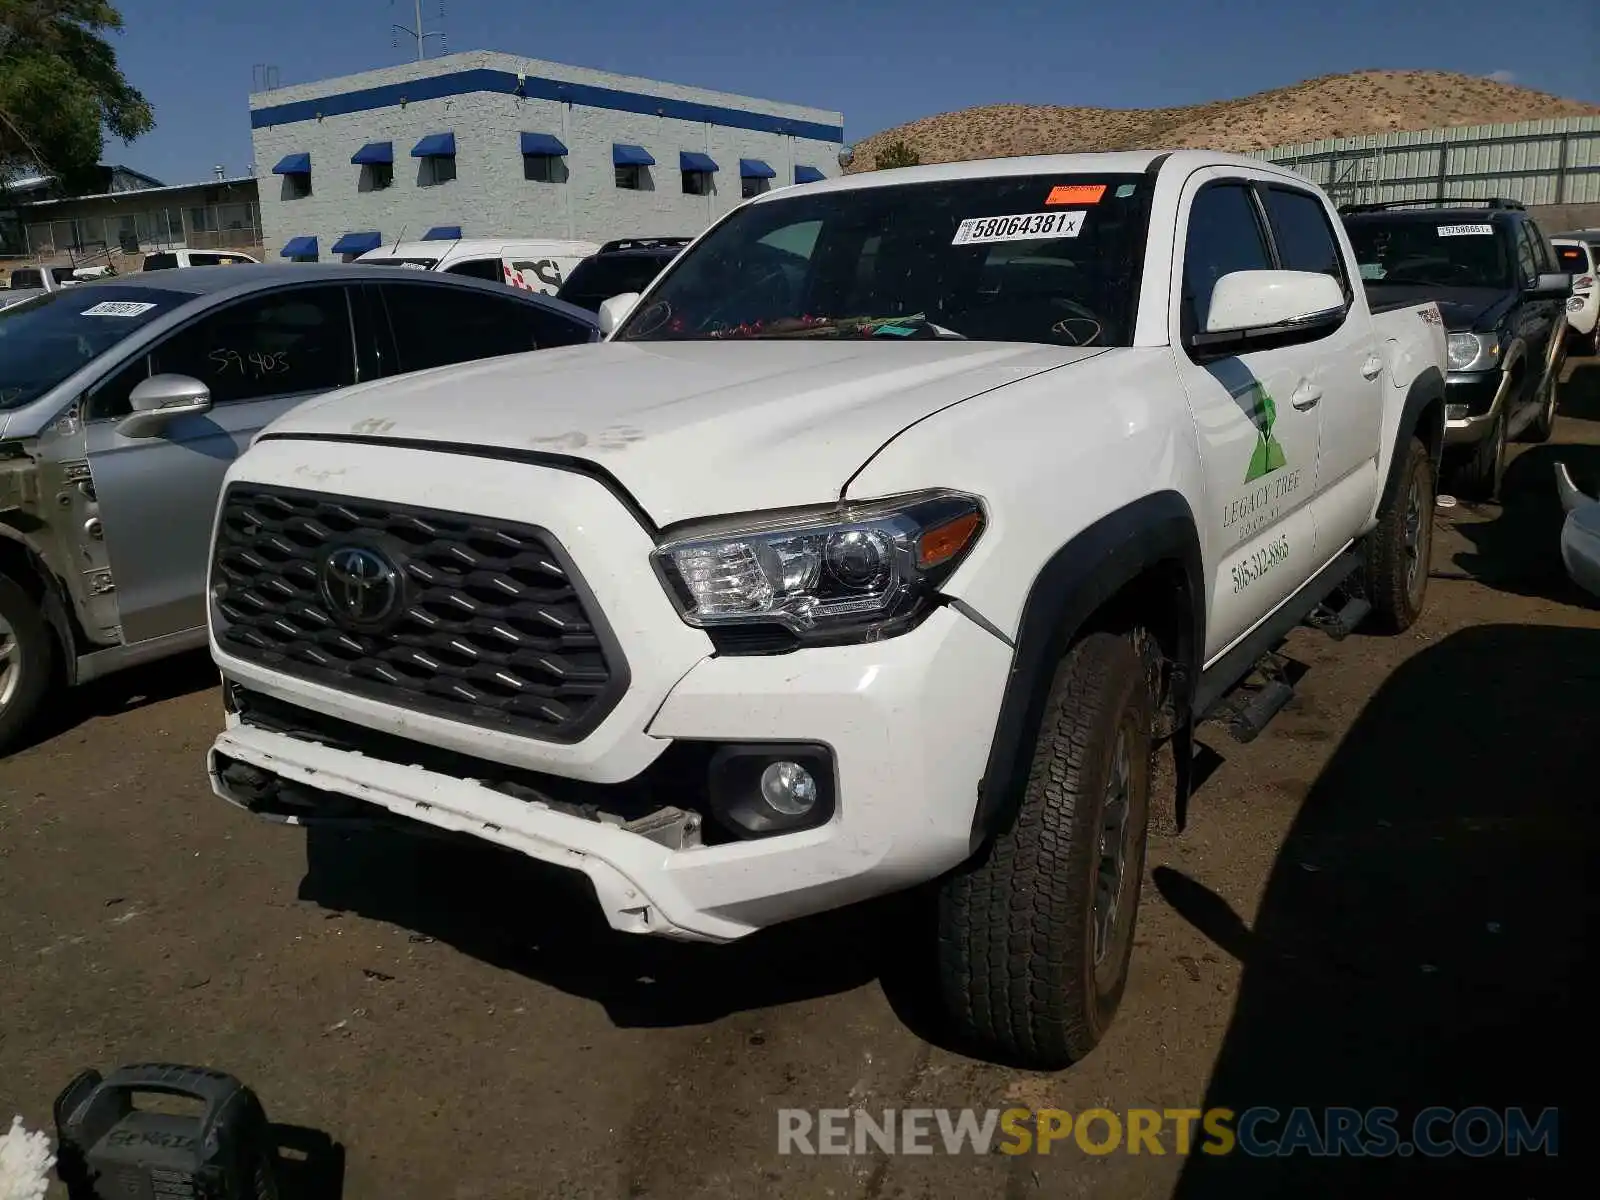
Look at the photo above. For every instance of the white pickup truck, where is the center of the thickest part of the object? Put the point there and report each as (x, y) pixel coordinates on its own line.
(882, 544)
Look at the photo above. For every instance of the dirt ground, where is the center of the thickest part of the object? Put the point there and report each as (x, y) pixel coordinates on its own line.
(1380, 901)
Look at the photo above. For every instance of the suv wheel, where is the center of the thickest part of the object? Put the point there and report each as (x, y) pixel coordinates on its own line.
(1543, 425)
(1400, 548)
(1477, 476)
(1036, 933)
(26, 653)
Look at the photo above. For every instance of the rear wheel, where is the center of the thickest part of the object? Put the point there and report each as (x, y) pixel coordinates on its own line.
(1035, 935)
(1399, 548)
(26, 661)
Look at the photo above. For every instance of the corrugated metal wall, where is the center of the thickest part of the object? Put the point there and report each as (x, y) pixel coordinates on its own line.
(1538, 162)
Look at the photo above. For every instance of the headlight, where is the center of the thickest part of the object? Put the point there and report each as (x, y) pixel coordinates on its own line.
(846, 572)
(1472, 351)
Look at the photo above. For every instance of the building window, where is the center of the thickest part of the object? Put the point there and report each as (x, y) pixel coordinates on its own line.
(632, 178)
(203, 220)
(297, 186)
(437, 169)
(752, 185)
(377, 176)
(697, 183)
(544, 168)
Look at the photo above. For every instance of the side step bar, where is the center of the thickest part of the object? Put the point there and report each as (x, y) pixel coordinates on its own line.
(1221, 677)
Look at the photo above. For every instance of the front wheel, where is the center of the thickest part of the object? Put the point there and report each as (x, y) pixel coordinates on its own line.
(1477, 476)
(1035, 935)
(1543, 425)
(26, 661)
(1399, 548)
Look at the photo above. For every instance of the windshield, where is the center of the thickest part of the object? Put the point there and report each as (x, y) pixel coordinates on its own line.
(1043, 258)
(1433, 252)
(47, 338)
(419, 264)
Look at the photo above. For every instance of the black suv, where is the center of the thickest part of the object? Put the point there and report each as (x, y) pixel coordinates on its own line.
(1503, 298)
(626, 265)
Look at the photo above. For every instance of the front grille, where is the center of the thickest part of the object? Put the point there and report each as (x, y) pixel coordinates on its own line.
(491, 624)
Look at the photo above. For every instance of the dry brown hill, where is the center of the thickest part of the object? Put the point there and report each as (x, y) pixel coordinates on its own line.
(1330, 106)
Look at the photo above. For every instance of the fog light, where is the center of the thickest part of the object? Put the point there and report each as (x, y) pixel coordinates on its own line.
(759, 790)
(789, 789)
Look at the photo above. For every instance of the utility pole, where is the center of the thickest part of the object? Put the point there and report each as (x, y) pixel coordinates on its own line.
(419, 33)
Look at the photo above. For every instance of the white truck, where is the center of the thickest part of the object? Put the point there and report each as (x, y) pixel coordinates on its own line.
(882, 544)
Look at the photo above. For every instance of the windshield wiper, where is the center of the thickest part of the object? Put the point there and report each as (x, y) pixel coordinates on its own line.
(916, 325)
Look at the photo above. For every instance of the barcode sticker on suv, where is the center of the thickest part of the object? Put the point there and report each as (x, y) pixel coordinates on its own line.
(117, 308)
(1465, 230)
(1020, 228)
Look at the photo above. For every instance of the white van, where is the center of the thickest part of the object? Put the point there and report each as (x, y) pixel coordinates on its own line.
(535, 264)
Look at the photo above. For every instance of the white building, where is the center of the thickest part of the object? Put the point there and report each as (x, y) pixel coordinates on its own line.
(483, 144)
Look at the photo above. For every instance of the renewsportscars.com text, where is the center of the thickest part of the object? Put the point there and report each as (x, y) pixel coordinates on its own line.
(1259, 1132)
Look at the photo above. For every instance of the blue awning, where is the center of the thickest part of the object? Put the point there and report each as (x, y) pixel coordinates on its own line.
(754, 168)
(293, 164)
(443, 233)
(374, 153)
(435, 145)
(688, 160)
(300, 247)
(808, 175)
(624, 155)
(358, 243)
(545, 144)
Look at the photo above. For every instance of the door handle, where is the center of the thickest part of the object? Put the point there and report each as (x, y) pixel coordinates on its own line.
(1371, 368)
(1306, 396)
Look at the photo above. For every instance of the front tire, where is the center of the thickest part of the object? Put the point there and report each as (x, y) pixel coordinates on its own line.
(1035, 935)
(27, 655)
(1399, 548)
(1477, 477)
(1543, 425)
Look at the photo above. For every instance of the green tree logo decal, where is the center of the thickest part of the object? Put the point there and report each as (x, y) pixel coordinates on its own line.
(1268, 455)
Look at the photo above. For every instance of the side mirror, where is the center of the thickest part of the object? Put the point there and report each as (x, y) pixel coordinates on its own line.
(1255, 309)
(614, 312)
(1553, 286)
(160, 399)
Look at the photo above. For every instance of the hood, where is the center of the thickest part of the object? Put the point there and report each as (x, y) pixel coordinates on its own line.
(691, 429)
(1464, 310)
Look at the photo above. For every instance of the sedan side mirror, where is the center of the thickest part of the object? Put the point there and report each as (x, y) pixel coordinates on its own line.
(1551, 286)
(160, 399)
(614, 312)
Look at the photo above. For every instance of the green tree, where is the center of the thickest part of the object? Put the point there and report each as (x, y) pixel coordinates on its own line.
(897, 154)
(61, 90)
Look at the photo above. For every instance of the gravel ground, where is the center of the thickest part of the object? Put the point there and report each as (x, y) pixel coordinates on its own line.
(1379, 901)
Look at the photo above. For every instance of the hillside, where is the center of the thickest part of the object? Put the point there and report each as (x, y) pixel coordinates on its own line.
(1330, 106)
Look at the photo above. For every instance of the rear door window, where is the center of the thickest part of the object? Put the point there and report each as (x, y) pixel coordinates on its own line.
(163, 261)
(479, 268)
(1572, 260)
(436, 326)
(1303, 234)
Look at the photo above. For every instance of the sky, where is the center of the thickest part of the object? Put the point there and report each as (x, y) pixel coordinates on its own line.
(880, 62)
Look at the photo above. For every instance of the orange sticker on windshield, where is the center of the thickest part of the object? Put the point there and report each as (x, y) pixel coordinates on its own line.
(1076, 193)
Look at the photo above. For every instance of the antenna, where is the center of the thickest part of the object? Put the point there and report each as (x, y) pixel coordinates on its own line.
(419, 34)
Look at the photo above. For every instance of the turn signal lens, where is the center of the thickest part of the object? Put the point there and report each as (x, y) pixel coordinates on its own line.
(943, 542)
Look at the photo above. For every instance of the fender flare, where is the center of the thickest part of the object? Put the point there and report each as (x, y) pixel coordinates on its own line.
(1070, 587)
(52, 603)
(1427, 388)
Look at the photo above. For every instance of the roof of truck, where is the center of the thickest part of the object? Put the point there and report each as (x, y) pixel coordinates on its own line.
(487, 247)
(1122, 162)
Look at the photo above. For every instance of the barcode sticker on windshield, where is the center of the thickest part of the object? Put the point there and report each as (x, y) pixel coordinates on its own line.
(1465, 230)
(117, 308)
(1020, 228)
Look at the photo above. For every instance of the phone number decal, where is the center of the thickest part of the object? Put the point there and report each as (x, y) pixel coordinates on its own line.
(1258, 564)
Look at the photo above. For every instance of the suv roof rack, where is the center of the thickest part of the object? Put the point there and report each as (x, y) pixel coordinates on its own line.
(1497, 203)
(644, 243)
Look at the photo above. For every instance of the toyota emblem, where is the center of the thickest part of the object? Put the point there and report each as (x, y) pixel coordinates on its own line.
(360, 586)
